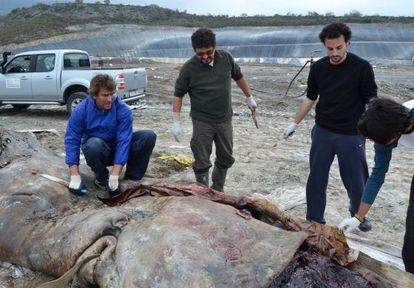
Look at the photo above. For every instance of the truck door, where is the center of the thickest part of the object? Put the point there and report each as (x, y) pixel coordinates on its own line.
(16, 82)
(44, 78)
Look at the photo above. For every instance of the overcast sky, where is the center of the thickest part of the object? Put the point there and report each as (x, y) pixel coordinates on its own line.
(271, 7)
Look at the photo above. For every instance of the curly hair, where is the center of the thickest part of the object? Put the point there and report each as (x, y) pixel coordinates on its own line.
(335, 30)
(101, 81)
(384, 120)
(203, 38)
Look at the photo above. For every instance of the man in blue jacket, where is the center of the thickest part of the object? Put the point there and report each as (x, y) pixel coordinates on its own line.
(389, 124)
(101, 126)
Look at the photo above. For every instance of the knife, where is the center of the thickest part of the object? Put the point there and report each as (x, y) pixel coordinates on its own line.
(254, 118)
(280, 142)
(55, 179)
(83, 190)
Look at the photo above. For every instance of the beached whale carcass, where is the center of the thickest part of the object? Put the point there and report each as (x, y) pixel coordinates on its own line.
(162, 235)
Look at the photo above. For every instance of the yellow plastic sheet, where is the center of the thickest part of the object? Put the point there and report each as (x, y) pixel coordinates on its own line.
(182, 159)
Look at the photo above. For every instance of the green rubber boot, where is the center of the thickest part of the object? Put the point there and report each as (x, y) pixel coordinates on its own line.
(219, 178)
(202, 178)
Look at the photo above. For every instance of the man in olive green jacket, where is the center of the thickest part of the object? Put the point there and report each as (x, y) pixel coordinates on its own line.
(206, 77)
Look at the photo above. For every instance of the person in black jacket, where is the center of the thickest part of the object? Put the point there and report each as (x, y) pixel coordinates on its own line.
(343, 83)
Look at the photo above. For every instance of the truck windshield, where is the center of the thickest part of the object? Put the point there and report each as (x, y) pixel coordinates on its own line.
(20, 64)
(76, 61)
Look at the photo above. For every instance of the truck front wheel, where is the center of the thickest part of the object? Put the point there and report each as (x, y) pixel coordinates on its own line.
(20, 106)
(74, 99)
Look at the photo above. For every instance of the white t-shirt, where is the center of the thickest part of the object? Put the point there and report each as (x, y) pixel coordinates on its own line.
(407, 140)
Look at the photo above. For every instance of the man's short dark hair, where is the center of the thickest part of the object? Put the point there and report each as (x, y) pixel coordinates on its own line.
(101, 81)
(335, 30)
(203, 38)
(384, 120)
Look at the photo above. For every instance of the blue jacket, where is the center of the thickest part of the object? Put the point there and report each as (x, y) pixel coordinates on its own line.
(382, 158)
(114, 126)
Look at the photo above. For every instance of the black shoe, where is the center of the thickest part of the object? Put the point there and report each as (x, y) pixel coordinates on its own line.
(79, 192)
(101, 184)
(365, 225)
(129, 177)
(115, 192)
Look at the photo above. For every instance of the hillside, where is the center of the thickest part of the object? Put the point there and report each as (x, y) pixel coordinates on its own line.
(7, 6)
(44, 21)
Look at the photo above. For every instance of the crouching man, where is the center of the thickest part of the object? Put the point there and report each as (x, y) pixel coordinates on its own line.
(101, 126)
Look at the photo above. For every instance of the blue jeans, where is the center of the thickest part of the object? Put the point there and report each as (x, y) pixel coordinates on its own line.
(353, 168)
(100, 154)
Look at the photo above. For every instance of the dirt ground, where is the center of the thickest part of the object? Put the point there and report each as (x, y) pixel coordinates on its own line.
(279, 174)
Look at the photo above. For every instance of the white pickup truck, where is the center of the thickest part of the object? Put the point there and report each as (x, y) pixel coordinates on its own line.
(60, 77)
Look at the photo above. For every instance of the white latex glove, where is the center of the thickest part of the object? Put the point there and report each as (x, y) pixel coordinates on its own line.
(176, 130)
(251, 103)
(113, 182)
(75, 182)
(348, 225)
(290, 130)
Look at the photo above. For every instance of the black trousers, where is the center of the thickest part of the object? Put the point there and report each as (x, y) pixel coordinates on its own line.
(408, 247)
(353, 168)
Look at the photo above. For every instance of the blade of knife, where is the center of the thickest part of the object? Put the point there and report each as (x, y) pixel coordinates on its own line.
(279, 142)
(254, 118)
(55, 179)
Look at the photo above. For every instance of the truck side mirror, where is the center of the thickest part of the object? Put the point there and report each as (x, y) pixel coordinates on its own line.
(4, 61)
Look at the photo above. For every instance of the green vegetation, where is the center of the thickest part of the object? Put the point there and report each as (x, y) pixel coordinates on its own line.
(43, 21)
(33, 28)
